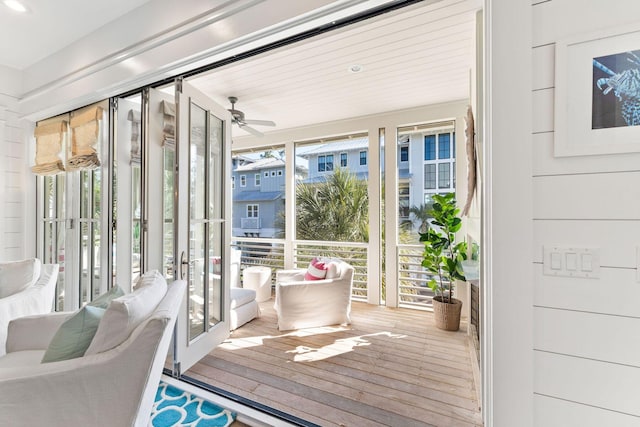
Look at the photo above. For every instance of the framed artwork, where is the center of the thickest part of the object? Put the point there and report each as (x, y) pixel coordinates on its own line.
(597, 93)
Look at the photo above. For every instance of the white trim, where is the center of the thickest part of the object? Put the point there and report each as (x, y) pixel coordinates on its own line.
(507, 276)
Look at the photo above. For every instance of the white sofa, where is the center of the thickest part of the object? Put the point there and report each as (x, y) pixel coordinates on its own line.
(35, 299)
(310, 303)
(115, 387)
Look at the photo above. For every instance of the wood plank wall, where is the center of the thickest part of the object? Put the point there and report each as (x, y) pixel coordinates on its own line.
(586, 341)
(13, 166)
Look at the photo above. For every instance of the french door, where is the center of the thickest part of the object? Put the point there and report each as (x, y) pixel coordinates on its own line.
(203, 228)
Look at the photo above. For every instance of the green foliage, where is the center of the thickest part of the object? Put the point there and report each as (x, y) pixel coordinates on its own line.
(442, 257)
(335, 210)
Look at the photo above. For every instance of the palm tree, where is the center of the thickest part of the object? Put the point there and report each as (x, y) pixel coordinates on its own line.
(334, 210)
(421, 213)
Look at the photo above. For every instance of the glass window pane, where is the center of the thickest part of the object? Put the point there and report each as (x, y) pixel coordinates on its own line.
(363, 158)
(430, 147)
(216, 172)
(404, 154)
(343, 160)
(329, 166)
(196, 289)
(444, 146)
(168, 212)
(198, 157)
(444, 178)
(429, 176)
(215, 269)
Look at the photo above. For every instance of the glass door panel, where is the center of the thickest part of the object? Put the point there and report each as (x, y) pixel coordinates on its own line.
(203, 156)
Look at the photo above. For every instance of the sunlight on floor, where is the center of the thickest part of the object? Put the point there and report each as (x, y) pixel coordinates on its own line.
(306, 353)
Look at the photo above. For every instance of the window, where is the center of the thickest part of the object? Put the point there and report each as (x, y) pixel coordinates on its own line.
(252, 211)
(430, 147)
(404, 153)
(444, 146)
(266, 174)
(403, 201)
(363, 158)
(243, 180)
(430, 176)
(233, 182)
(279, 173)
(444, 178)
(343, 160)
(273, 173)
(257, 180)
(322, 163)
(329, 166)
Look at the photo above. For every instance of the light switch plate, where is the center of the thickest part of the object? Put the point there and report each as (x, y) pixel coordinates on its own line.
(575, 261)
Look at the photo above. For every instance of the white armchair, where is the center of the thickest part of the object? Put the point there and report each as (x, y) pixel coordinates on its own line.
(115, 387)
(310, 303)
(35, 299)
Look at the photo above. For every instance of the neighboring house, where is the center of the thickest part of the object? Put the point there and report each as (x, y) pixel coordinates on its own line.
(426, 163)
(258, 188)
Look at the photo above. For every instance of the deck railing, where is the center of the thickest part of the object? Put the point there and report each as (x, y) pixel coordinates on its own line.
(413, 290)
(270, 253)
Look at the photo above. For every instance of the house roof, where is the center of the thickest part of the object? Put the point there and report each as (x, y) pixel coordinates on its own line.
(265, 163)
(325, 177)
(337, 146)
(257, 196)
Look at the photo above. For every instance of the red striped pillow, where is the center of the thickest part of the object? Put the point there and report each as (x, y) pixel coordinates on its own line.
(317, 270)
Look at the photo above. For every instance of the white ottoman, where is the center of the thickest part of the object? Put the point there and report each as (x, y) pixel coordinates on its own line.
(244, 307)
(258, 278)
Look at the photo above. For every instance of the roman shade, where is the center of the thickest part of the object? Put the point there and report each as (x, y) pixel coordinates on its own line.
(134, 117)
(49, 142)
(85, 128)
(169, 124)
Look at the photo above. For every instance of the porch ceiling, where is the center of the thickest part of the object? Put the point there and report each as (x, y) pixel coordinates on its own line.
(416, 56)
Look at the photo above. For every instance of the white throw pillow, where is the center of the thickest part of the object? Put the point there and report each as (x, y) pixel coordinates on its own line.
(18, 275)
(125, 313)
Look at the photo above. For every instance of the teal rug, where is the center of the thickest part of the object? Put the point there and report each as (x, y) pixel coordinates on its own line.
(175, 407)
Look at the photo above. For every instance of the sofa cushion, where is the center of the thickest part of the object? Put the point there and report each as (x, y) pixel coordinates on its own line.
(241, 296)
(21, 359)
(333, 270)
(105, 299)
(125, 313)
(317, 270)
(73, 337)
(17, 276)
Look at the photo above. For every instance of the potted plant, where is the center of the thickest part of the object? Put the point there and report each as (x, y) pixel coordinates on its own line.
(443, 258)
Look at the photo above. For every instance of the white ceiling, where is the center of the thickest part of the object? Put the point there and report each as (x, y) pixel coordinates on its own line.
(50, 25)
(417, 56)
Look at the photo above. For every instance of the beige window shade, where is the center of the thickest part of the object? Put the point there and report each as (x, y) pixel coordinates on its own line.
(49, 142)
(134, 117)
(169, 123)
(85, 127)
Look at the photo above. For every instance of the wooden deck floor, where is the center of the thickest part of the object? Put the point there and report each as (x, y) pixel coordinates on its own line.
(390, 367)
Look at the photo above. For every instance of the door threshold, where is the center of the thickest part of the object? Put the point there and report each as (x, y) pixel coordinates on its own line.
(248, 412)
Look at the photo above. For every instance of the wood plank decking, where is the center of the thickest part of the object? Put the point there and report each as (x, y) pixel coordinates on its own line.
(389, 367)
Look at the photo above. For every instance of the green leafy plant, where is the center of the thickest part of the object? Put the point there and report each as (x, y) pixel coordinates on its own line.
(442, 256)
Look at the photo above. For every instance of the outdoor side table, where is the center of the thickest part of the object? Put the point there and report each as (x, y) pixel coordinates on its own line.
(258, 278)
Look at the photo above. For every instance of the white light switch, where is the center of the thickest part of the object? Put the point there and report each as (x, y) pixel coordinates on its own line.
(574, 261)
(556, 261)
(587, 261)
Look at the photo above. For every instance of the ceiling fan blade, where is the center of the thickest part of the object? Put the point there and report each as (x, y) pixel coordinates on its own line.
(250, 129)
(260, 122)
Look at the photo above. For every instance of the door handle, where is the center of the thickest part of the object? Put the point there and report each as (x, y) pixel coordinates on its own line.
(183, 263)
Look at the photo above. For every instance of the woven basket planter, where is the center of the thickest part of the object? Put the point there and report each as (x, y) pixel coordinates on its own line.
(447, 315)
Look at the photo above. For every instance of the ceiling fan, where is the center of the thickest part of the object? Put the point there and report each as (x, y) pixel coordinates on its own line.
(238, 118)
